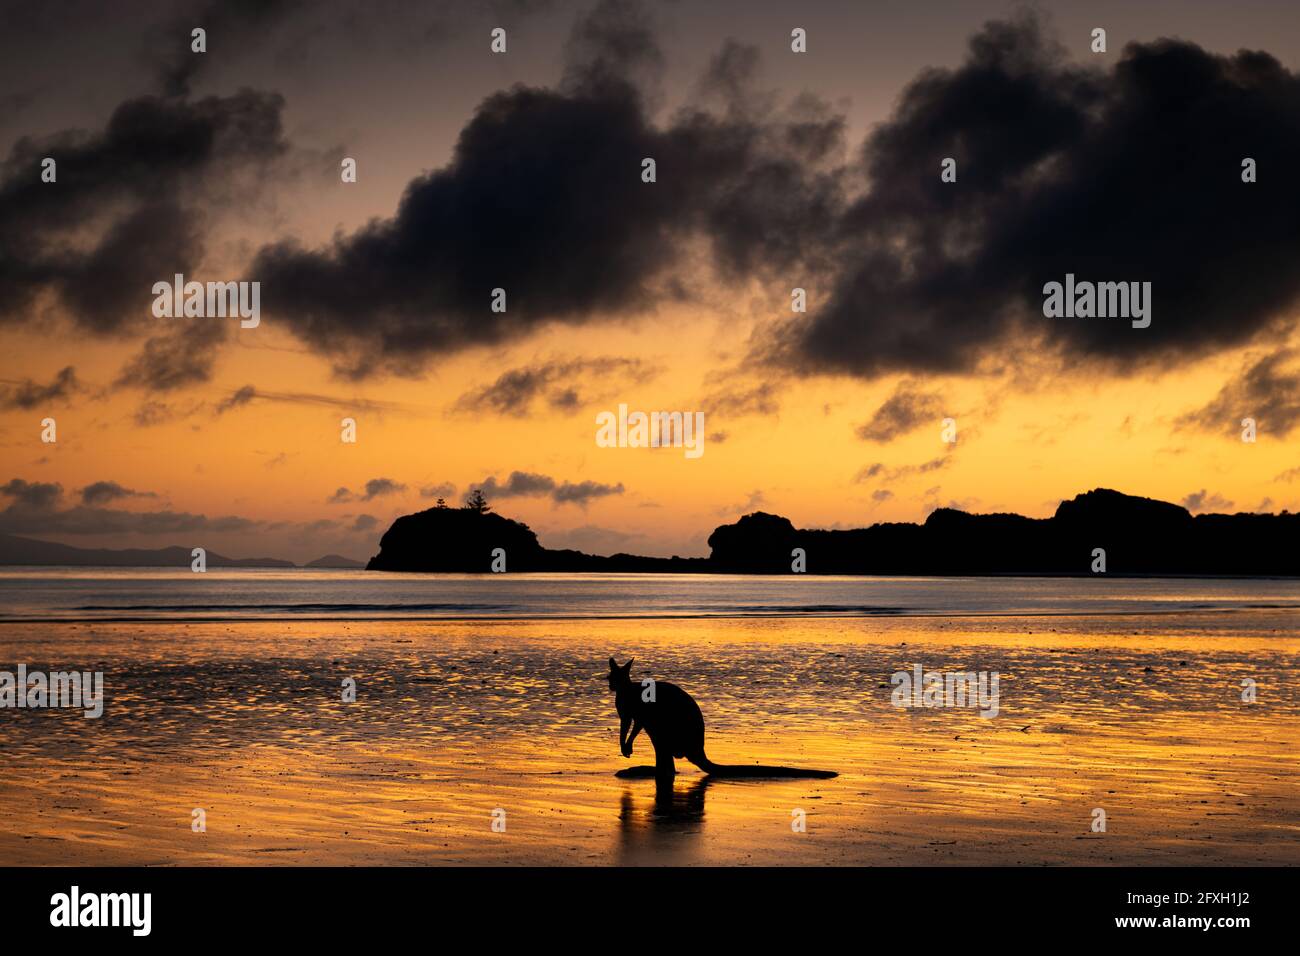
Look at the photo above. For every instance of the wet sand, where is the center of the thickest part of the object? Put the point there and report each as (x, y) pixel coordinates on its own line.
(1139, 716)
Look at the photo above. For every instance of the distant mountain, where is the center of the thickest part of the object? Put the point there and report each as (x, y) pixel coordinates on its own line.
(334, 561)
(1140, 536)
(16, 550)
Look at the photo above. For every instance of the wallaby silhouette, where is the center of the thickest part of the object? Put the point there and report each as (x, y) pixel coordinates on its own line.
(675, 726)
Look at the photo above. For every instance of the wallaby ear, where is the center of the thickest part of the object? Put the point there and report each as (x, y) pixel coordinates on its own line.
(628, 666)
(612, 664)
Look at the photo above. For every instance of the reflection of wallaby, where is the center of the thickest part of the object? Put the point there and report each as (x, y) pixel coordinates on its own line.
(675, 726)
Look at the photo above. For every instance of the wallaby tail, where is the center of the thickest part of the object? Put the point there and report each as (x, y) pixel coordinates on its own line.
(758, 770)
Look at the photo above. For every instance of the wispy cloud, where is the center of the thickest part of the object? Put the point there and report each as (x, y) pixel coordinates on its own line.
(29, 394)
(527, 484)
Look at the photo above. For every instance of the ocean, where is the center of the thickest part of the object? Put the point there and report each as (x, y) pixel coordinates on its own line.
(343, 717)
(255, 594)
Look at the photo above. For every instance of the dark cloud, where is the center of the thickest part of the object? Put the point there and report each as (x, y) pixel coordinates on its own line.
(375, 488)
(444, 490)
(543, 198)
(1125, 173)
(152, 412)
(364, 523)
(12, 104)
(735, 401)
(565, 399)
(241, 396)
(519, 484)
(301, 34)
(614, 44)
(559, 238)
(180, 360)
(516, 390)
(1131, 174)
(528, 484)
(176, 359)
(32, 495)
(231, 26)
(1202, 501)
(34, 510)
(879, 469)
(1128, 173)
(329, 401)
(906, 410)
(123, 213)
(30, 394)
(584, 491)
(1266, 389)
(104, 492)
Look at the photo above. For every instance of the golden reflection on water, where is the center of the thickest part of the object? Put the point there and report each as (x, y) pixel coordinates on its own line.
(1140, 716)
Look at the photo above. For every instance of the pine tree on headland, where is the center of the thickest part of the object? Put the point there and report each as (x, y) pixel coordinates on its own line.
(476, 502)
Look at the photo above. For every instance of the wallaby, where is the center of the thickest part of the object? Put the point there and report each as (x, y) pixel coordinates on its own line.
(675, 726)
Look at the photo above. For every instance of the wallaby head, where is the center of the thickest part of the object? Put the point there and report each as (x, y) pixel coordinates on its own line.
(619, 676)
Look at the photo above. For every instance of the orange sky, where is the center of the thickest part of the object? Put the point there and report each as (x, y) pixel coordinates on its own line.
(1029, 433)
(1019, 448)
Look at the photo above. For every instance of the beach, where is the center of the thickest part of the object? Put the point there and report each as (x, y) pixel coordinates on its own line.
(460, 724)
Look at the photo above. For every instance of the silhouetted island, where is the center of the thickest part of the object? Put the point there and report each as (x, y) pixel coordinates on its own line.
(1140, 536)
(463, 539)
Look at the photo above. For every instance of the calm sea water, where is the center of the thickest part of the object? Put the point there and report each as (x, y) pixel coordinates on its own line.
(168, 594)
(223, 691)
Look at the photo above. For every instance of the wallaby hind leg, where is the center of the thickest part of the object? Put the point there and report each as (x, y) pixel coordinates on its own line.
(665, 769)
(697, 757)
